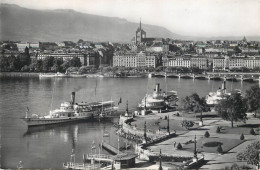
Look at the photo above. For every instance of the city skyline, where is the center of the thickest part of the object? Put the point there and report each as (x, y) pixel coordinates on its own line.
(201, 18)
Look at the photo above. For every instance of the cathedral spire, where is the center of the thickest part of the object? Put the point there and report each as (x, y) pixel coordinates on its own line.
(140, 24)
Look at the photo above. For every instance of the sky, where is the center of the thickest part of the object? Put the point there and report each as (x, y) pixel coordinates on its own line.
(208, 18)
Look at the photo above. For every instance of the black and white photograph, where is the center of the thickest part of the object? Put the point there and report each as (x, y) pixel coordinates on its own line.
(130, 84)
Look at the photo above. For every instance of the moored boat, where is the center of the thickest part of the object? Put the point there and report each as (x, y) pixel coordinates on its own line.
(213, 98)
(159, 100)
(71, 111)
(49, 75)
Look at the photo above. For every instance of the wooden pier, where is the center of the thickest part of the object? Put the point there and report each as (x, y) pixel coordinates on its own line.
(110, 148)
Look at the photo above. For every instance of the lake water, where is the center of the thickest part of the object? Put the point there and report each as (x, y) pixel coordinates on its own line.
(50, 147)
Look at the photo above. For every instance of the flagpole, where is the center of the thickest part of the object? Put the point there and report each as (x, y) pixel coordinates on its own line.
(118, 144)
(99, 154)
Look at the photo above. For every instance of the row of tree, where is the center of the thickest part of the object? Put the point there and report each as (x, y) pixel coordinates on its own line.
(49, 64)
(233, 108)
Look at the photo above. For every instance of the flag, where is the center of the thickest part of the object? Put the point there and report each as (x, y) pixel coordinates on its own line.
(120, 101)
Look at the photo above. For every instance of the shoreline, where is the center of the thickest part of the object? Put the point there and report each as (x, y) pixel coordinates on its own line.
(89, 75)
(19, 74)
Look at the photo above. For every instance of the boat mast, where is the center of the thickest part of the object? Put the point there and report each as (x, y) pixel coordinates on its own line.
(166, 88)
(52, 93)
(118, 144)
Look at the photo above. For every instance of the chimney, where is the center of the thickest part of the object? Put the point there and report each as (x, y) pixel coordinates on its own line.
(72, 100)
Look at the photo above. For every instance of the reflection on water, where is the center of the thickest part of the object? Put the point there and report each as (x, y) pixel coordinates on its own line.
(49, 147)
(60, 140)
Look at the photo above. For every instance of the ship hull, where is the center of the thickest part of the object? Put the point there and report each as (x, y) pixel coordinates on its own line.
(32, 122)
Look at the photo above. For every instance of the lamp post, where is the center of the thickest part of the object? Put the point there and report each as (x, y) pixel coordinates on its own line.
(145, 135)
(168, 124)
(160, 158)
(195, 150)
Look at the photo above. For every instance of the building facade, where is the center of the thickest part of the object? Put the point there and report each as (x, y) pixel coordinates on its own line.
(236, 62)
(64, 56)
(199, 62)
(252, 62)
(134, 60)
(177, 62)
(219, 63)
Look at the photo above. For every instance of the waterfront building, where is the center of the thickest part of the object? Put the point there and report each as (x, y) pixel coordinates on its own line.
(64, 56)
(252, 62)
(199, 62)
(236, 62)
(219, 63)
(134, 60)
(177, 62)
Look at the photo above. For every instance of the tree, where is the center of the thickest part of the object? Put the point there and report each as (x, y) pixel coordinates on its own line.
(80, 41)
(47, 63)
(219, 149)
(179, 146)
(206, 134)
(252, 132)
(218, 130)
(242, 137)
(14, 63)
(25, 57)
(187, 124)
(253, 99)
(233, 108)
(251, 154)
(38, 67)
(65, 65)
(194, 104)
(4, 63)
(57, 64)
(75, 62)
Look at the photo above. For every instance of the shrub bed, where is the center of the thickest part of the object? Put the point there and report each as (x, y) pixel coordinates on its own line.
(212, 144)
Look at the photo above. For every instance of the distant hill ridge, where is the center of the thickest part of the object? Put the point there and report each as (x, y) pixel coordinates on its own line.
(18, 23)
(23, 24)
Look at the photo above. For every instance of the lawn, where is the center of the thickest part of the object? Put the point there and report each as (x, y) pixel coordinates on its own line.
(236, 130)
(227, 144)
(155, 124)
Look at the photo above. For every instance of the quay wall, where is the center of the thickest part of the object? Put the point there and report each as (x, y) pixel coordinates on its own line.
(138, 131)
(156, 136)
(18, 74)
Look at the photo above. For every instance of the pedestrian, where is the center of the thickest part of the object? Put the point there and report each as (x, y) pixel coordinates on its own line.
(174, 144)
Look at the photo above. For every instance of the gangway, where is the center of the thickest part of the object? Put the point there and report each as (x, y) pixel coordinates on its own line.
(99, 157)
(111, 148)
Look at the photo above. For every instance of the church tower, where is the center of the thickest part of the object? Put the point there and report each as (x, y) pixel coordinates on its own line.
(140, 34)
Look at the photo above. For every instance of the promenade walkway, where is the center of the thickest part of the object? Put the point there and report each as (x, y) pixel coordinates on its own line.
(215, 160)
